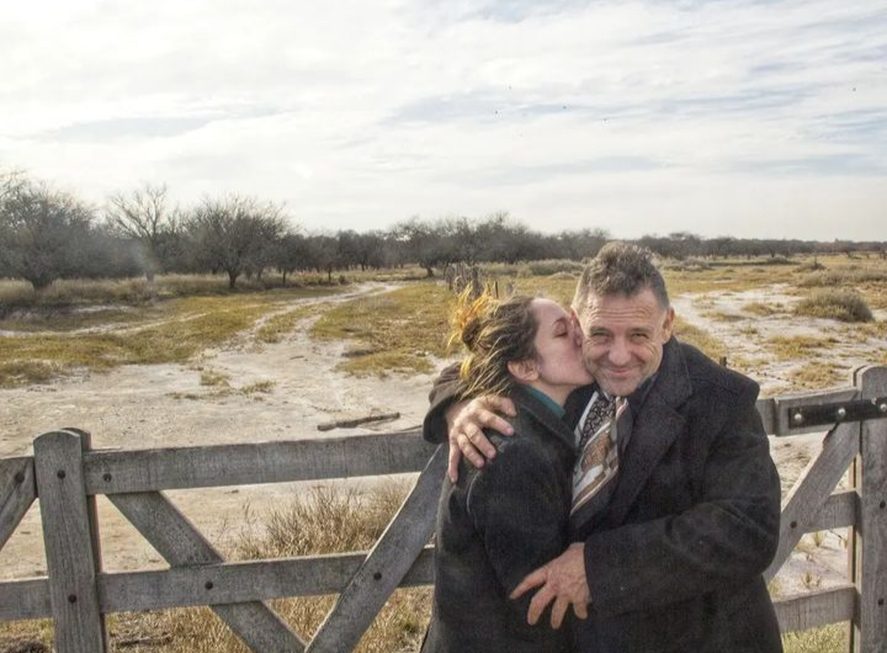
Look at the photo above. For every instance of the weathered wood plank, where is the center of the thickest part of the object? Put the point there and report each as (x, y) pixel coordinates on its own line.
(871, 567)
(239, 582)
(813, 609)
(25, 599)
(233, 582)
(111, 472)
(812, 489)
(782, 405)
(766, 407)
(180, 543)
(391, 557)
(68, 536)
(17, 492)
(838, 511)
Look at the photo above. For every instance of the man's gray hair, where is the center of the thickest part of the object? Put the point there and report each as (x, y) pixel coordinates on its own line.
(620, 269)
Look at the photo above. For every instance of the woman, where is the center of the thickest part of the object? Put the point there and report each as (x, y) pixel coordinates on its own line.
(499, 523)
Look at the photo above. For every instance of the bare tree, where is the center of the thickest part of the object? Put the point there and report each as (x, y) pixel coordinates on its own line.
(236, 234)
(45, 234)
(143, 215)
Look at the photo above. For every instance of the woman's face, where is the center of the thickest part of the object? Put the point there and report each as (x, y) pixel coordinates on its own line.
(559, 362)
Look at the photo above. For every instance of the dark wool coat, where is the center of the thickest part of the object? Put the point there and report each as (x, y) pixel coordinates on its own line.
(496, 525)
(674, 561)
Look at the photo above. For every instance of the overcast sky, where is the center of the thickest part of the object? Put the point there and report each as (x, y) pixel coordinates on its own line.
(745, 118)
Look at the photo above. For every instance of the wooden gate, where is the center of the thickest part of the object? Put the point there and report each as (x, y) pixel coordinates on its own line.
(66, 475)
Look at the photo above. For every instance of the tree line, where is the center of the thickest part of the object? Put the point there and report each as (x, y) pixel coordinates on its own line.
(48, 234)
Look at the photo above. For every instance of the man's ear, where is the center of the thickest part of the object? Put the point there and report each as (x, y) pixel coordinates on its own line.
(667, 324)
(524, 371)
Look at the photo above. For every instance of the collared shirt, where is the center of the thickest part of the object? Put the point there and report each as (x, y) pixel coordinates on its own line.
(550, 403)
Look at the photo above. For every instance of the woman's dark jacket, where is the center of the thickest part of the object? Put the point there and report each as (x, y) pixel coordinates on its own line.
(495, 526)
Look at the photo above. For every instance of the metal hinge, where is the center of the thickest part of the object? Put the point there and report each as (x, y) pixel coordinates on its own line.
(856, 410)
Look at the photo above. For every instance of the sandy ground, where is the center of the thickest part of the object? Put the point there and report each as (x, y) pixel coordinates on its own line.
(165, 405)
(149, 406)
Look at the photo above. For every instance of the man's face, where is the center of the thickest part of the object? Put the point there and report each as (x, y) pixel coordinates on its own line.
(622, 339)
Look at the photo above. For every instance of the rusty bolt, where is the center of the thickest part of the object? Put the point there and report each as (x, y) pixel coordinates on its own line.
(60, 473)
(208, 585)
(72, 598)
(794, 524)
(106, 477)
(19, 477)
(377, 575)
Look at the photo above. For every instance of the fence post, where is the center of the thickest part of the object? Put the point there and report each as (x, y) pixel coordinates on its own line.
(871, 552)
(69, 534)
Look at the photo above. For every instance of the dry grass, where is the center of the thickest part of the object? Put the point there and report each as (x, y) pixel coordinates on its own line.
(391, 333)
(792, 348)
(828, 639)
(322, 522)
(711, 346)
(815, 375)
(172, 331)
(279, 326)
(723, 316)
(837, 304)
(763, 310)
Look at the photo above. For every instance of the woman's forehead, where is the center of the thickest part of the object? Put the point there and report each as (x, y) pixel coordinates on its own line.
(548, 310)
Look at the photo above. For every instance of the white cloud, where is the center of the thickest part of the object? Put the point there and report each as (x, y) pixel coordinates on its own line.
(748, 118)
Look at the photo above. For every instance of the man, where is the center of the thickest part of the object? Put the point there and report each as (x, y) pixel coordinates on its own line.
(675, 500)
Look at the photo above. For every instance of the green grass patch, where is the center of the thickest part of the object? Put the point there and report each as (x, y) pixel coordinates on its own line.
(392, 332)
(837, 304)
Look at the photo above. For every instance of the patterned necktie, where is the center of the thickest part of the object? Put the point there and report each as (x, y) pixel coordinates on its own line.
(598, 455)
(601, 411)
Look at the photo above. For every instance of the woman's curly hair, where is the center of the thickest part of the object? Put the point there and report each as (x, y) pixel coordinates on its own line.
(494, 332)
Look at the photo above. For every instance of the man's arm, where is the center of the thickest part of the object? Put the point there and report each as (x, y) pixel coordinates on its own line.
(461, 423)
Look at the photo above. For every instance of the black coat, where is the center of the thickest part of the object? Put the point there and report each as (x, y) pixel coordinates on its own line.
(496, 525)
(674, 561)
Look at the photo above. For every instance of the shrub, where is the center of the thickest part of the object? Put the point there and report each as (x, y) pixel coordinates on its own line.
(838, 304)
(847, 277)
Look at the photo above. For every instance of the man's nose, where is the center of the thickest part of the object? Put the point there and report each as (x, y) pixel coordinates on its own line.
(619, 354)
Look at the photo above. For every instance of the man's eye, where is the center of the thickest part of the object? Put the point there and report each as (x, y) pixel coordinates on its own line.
(640, 337)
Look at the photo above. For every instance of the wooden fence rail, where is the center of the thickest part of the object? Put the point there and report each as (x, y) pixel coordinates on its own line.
(66, 475)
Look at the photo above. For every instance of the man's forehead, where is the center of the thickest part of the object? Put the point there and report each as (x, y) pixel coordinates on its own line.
(641, 307)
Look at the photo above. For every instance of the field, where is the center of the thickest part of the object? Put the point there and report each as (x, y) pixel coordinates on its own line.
(186, 362)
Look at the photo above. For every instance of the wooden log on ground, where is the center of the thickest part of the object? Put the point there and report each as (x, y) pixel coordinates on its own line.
(356, 421)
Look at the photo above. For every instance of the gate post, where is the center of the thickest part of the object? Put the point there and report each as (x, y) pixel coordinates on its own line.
(70, 538)
(870, 625)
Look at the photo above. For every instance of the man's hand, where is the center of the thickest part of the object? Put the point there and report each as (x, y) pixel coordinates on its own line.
(562, 580)
(466, 422)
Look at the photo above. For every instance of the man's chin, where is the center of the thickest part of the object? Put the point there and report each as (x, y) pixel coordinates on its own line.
(619, 387)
